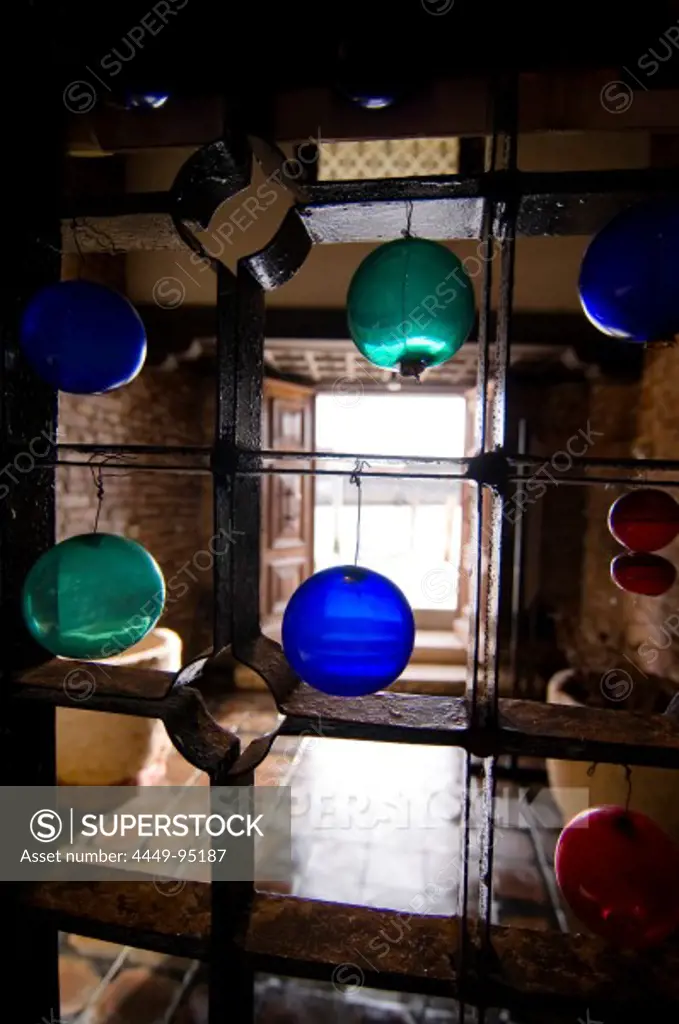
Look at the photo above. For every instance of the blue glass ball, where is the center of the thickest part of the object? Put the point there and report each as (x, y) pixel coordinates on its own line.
(93, 596)
(628, 279)
(348, 631)
(377, 99)
(146, 101)
(82, 337)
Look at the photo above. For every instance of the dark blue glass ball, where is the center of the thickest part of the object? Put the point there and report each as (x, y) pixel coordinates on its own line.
(371, 100)
(348, 631)
(146, 101)
(628, 279)
(83, 338)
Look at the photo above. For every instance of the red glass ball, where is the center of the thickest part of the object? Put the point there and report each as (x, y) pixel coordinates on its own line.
(645, 519)
(619, 873)
(641, 573)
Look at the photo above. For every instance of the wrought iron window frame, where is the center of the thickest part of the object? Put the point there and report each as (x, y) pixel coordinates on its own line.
(233, 928)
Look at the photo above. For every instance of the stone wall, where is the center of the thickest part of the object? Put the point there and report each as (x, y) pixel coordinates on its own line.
(574, 605)
(654, 622)
(604, 608)
(163, 511)
(568, 545)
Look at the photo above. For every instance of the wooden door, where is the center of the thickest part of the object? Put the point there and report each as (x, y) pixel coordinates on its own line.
(287, 500)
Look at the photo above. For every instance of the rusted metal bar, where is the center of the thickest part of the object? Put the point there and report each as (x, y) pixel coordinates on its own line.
(547, 203)
(525, 727)
(82, 681)
(385, 717)
(310, 938)
(28, 412)
(250, 463)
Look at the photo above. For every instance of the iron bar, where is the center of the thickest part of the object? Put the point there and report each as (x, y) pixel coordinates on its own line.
(135, 449)
(525, 727)
(28, 409)
(232, 993)
(515, 460)
(233, 996)
(225, 428)
(506, 212)
(246, 511)
(234, 928)
(462, 954)
(306, 938)
(551, 188)
(517, 568)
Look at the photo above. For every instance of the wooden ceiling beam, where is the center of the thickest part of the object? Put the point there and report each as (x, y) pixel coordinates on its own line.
(590, 101)
(549, 204)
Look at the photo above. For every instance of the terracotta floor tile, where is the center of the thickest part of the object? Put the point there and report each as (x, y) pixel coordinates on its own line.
(514, 844)
(518, 881)
(97, 948)
(78, 980)
(135, 996)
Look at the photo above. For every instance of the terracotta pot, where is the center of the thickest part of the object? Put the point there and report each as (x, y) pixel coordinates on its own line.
(95, 748)
(655, 791)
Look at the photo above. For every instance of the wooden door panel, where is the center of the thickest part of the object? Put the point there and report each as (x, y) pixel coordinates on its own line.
(283, 579)
(289, 425)
(287, 522)
(287, 500)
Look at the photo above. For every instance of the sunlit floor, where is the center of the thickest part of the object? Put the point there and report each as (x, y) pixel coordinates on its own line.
(373, 823)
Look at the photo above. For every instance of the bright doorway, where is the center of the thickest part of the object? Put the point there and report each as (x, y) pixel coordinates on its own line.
(411, 530)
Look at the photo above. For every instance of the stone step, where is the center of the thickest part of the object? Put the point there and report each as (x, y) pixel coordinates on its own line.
(428, 677)
(441, 647)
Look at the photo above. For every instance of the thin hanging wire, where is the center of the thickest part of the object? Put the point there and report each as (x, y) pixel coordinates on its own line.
(81, 267)
(98, 480)
(408, 230)
(628, 776)
(355, 478)
(105, 243)
(407, 233)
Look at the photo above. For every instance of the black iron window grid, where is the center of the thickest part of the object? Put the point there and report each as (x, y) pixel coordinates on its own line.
(233, 928)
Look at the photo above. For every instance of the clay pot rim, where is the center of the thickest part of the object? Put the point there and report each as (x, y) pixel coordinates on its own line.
(558, 691)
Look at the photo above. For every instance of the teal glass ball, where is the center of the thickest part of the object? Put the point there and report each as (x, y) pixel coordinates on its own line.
(93, 596)
(410, 305)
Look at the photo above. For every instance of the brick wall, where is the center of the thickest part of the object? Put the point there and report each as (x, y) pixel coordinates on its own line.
(568, 545)
(598, 626)
(166, 512)
(600, 641)
(653, 622)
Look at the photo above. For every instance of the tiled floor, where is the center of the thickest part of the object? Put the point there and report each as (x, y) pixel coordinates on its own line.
(373, 824)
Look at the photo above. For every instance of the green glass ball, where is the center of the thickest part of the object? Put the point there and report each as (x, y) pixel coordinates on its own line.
(93, 596)
(410, 305)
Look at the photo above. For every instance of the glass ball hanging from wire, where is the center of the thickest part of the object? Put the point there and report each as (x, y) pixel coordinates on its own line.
(628, 281)
(348, 631)
(92, 596)
(145, 101)
(369, 97)
(642, 573)
(364, 73)
(645, 519)
(410, 305)
(83, 338)
(619, 873)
